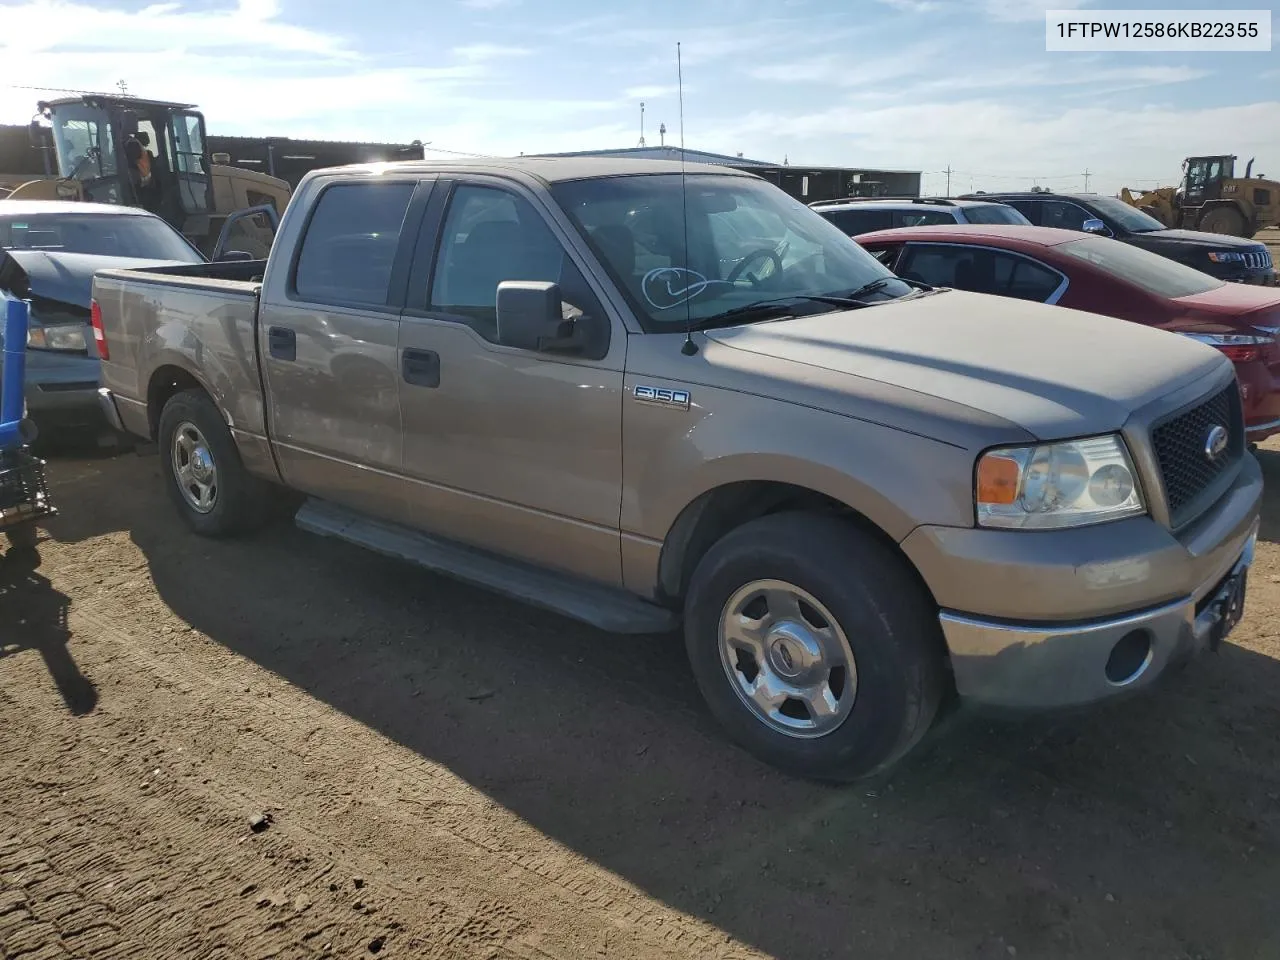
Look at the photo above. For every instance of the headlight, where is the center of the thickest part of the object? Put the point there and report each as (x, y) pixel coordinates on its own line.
(56, 336)
(1054, 485)
(1238, 347)
(1224, 256)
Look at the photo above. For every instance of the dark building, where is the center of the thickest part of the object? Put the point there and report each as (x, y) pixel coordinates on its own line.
(806, 183)
(291, 159)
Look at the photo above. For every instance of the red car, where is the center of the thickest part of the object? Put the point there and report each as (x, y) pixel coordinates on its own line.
(1101, 275)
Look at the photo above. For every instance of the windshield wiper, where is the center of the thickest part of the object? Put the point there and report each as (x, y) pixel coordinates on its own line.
(777, 307)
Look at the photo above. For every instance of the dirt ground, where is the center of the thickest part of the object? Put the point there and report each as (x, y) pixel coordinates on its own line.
(450, 775)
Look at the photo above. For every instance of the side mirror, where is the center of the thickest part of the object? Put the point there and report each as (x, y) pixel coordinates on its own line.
(1094, 225)
(530, 317)
(237, 255)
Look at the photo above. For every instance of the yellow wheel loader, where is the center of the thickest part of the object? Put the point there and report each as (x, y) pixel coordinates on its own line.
(1212, 198)
(150, 154)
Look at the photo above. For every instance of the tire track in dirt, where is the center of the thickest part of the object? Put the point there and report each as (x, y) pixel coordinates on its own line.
(377, 817)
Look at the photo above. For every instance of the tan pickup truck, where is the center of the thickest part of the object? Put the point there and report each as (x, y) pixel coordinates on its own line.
(645, 395)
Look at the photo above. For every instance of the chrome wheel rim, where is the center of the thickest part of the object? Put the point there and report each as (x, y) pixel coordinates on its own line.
(787, 659)
(194, 469)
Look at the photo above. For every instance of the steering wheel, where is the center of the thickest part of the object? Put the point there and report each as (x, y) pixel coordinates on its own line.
(764, 253)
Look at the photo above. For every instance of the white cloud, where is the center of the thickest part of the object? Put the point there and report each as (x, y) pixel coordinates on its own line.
(915, 6)
(1025, 11)
(250, 24)
(652, 92)
(483, 52)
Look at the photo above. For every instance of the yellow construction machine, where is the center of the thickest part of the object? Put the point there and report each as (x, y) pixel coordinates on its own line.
(1212, 198)
(150, 154)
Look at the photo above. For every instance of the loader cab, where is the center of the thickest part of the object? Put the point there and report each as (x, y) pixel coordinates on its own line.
(143, 153)
(1203, 176)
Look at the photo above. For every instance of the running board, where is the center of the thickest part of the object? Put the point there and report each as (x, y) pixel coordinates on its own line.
(605, 607)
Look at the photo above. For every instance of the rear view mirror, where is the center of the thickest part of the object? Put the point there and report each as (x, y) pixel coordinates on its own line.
(1094, 225)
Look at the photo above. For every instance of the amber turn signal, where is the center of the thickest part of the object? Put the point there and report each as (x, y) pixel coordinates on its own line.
(998, 479)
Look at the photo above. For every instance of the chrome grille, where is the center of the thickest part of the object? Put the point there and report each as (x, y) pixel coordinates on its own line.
(1179, 445)
(1258, 259)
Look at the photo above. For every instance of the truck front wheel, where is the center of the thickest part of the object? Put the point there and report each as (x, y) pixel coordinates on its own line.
(212, 490)
(814, 645)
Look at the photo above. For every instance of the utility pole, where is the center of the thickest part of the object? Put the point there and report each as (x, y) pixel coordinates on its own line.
(124, 87)
(948, 172)
(642, 143)
(1086, 180)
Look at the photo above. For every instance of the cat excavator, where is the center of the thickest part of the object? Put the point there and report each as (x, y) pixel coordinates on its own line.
(1212, 198)
(150, 154)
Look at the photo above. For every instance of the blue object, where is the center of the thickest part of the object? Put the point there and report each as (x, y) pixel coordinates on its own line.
(14, 376)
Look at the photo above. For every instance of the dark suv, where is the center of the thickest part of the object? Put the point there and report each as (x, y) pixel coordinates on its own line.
(1219, 255)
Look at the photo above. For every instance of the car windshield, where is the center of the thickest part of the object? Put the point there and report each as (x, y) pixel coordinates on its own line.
(108, 235)
(747, 242)
(1150, 271)
(994, 213)
(1130, 218)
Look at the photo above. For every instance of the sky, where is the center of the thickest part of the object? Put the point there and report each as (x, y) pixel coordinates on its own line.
(891, 84)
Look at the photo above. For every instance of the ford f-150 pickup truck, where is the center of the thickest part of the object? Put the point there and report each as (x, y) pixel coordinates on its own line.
(647, 395)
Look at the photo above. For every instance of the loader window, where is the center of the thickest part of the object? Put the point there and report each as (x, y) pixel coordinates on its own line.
(188, 161)
(83, 138)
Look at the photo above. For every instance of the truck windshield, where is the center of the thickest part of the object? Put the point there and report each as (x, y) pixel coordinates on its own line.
(107, 235)
(747, 241)
(1150, 271)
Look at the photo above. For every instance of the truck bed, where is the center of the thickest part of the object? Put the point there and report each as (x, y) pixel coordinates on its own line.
(191, 322)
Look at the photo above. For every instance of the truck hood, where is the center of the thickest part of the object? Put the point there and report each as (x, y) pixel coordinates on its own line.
(1053, 371)
(64, 277)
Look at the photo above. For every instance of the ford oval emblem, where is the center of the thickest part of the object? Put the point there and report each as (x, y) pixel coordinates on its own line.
(1215, 441)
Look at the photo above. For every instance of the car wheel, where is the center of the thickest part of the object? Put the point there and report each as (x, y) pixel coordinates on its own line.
(212, 490)
(815, 645)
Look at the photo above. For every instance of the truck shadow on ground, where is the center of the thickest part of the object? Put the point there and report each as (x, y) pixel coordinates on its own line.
(33, 616)
(1144, 828)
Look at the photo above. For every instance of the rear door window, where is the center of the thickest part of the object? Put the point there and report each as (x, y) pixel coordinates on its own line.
(350, 245)
(1028, 208)
(854, 222)
(1063, 215)
(921, 218)
(979, 270)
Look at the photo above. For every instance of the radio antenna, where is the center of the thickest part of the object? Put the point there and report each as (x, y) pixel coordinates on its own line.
(689, 348)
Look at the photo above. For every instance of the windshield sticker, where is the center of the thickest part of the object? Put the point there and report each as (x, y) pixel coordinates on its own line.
(667, 287)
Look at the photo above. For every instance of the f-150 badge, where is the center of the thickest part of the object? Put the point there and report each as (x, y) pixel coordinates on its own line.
(662, 396)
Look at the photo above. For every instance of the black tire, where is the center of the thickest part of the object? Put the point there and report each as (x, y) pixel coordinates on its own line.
(1224, 220)
(242, 502)
(25, 537)
(888, 618)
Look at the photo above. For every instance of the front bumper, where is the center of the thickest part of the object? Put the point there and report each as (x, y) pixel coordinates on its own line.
(1039, 667)
(1031, 617)
(62, 389)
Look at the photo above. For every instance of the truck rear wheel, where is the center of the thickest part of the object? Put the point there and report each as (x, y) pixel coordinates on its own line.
(212, 490)
(1226, 220)
(814, 646)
